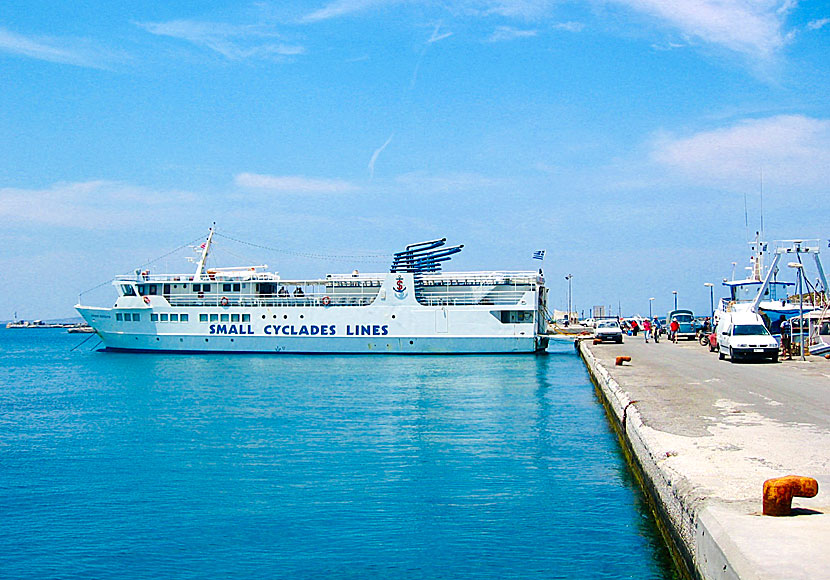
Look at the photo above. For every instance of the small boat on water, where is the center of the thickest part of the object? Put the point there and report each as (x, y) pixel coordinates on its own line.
(413, 308)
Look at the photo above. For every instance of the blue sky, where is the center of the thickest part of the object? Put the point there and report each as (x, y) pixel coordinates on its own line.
(626, 137)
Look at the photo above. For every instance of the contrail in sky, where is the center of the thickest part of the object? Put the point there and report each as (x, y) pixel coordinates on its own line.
(375, 156)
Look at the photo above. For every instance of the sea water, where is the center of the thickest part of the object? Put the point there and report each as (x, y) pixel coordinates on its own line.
(126, 465)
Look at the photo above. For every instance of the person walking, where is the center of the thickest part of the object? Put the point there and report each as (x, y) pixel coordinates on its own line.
(786, 338)
(655, 330)
(647, 329)
(674, 327)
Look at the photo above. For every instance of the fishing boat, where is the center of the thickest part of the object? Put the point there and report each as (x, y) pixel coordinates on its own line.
(414, 308)
(762, 292)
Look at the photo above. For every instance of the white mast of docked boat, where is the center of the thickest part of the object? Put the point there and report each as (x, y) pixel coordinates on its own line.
(200, 267)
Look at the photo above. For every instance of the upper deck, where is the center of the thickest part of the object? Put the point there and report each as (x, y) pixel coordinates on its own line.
(250, 287)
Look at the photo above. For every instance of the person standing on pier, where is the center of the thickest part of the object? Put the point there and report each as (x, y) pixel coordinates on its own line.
(647, 329)
(786, 338)
(655, 330)
(674, 327)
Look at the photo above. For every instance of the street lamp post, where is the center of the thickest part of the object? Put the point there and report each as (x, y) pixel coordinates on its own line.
(650, 300)
(569, 277)
(711, 299)
(799, 271)
(675, 298)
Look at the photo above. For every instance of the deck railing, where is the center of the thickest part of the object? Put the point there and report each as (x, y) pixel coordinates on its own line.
(341, 298)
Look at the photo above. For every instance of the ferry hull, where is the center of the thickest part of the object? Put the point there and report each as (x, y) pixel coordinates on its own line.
(390, 334)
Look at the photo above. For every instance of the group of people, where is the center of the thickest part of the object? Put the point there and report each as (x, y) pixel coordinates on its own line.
(650, 328)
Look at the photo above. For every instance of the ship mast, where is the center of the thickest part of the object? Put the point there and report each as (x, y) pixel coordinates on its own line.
(200, 267)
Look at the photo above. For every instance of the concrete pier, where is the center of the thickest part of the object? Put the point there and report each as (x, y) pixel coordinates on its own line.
(705, 434)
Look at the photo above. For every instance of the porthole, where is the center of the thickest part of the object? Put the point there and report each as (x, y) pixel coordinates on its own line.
(285, 317)
(301, 316)
(411, 342)
(206, 340)
(263, 317)
(275, 317)
(393, 316)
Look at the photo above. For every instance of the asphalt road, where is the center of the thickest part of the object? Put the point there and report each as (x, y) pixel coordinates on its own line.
(681, 387)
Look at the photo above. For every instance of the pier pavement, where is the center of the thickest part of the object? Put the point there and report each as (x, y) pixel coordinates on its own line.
(706, 434)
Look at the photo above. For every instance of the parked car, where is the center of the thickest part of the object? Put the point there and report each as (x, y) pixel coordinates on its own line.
(742, 335)
(686, 319)
(609, 331)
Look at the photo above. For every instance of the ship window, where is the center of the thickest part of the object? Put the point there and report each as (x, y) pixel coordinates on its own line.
(514, 316)
(174, 318)
(142, 289)
(205, 287)
(136, 317)
(197, 287)
(202, 317)
(214, 318)
(183, 317)
(224, 318)
(164, 317)
(246, 318)
(226, 287)
(166, 289)
(118, 316)
(127, 290)
(234, 318)
(236, 287)
(154, 318)
(152, 289)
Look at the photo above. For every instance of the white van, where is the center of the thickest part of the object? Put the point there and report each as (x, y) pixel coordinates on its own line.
(742, 335)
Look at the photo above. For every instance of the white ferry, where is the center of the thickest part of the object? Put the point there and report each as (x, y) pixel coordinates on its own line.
(414, 308)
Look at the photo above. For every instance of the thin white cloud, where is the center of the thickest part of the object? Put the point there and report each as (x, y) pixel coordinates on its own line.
(235, 42)
(342, 8)
(505, 33)
(818, 24)
(569, 26)
(749, 27)
(375, 156)
(792, 150)
(524, 9)
(65, 51)
(88, 204)
(421, 183)
(436, 36)
(293, 183)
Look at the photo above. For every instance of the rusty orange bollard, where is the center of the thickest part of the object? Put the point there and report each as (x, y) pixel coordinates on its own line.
(621, 359)
(779, 493)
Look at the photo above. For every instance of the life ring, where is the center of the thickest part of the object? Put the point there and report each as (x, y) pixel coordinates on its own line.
(223, 301)
(201, 294)
(326, 301)
(146, 300)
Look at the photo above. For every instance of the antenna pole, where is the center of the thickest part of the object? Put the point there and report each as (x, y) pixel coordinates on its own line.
(762, 203)
(205, 249)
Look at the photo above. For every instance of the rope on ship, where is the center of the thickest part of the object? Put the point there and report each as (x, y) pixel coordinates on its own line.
(142, 266)
(363, 258)
(80, 344)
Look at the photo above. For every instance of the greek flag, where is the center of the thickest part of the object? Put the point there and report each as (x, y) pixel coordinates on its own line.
(539, 255)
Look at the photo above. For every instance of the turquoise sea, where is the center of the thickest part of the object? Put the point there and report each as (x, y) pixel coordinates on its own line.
(116, 465)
